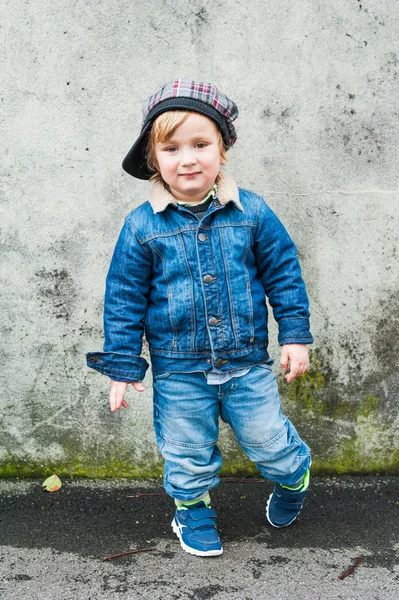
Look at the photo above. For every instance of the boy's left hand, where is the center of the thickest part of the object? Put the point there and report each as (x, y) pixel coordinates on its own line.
(297, 357)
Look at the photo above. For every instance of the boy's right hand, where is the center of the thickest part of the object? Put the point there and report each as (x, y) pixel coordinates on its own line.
(118, 391)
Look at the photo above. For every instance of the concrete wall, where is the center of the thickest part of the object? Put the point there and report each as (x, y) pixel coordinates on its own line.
(316, 84)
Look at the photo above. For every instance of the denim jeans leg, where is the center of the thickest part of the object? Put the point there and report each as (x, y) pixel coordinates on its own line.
(186, 413)
(251, 405)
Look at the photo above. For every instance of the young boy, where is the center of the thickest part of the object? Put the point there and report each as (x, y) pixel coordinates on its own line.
(191, 268)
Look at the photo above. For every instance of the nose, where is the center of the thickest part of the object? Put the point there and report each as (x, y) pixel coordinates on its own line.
(187, 158)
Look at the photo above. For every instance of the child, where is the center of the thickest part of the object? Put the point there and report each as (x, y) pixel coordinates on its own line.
(191, 268)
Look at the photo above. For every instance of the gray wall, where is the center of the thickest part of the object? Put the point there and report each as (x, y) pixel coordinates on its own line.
(316, 84)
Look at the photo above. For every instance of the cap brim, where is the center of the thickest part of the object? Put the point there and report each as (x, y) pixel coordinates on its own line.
(135, 162)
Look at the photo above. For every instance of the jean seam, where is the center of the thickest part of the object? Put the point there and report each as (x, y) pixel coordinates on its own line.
(208, 444)
(164, 375)
(266, 444)
(153, 236)
(248, 286)
(264, 366)
(229, 292)
(192, 302)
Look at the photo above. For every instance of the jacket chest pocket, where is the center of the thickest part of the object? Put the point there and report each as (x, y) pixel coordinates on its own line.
(238, 260)
(174, 290)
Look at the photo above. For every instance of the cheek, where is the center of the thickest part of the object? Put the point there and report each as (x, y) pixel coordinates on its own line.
(212, 160)
(167, 166)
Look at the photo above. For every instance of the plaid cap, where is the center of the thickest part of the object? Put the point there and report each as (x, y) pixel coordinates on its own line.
(199, 97)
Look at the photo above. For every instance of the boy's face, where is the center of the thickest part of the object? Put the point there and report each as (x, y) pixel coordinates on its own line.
(189, 160)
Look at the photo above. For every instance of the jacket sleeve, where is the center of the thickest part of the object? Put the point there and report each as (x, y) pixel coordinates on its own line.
(125, 304)
(280, 272)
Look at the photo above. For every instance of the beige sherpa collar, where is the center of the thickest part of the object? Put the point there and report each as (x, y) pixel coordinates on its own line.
(160, 197)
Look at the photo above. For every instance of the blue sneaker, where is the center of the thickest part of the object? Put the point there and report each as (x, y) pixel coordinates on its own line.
(285, 503)
(195, 527)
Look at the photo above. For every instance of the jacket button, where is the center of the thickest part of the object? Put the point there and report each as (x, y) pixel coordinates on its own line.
(202, 237)
(213, 321)
(209, 278)
(220, 362)
(208, 360)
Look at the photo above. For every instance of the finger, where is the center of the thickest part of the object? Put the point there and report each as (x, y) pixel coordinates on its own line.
(117, 394)
(289, 377)
(303, 367)
(124, 404)
(117, 402)
(138, 386)
(120, 397)
(294, 372)
(284, 359)
(112, 398)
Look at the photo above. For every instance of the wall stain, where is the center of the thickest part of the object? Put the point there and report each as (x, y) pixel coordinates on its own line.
(57, 292)
(199, 25)
(358, 134)
(283, 117)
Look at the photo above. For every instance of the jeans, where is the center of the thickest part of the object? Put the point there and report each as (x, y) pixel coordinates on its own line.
(186, 421)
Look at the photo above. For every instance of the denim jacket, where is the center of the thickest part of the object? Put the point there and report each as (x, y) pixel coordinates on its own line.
(196, 286)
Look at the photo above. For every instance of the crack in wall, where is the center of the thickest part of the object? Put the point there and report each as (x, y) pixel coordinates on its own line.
(344, 192)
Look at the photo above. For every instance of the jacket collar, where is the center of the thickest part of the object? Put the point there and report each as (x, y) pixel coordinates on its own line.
(227, 190)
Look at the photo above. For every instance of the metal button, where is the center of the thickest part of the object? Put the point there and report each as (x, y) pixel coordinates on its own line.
(213, 321)
(209, 278)
(202, 237)
(208, 360)
(220, 362)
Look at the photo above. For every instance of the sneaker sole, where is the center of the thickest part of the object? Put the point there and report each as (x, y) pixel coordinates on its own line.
(270, 521)
(194, 551)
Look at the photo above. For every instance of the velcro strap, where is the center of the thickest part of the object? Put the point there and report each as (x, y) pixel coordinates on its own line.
(202, 513)
(202, 524)
(288, 505)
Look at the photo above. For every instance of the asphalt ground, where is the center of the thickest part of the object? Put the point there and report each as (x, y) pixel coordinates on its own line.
(52, 544)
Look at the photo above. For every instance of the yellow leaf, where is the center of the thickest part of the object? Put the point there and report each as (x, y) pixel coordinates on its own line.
(52, 484)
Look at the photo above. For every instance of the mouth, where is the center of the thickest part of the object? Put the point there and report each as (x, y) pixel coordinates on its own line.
(189, 175)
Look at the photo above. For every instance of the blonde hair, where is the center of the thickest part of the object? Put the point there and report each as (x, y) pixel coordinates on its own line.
(163, 128)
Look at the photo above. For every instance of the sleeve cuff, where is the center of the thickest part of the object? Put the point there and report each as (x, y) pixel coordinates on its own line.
(294, 330)
(119, 367)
